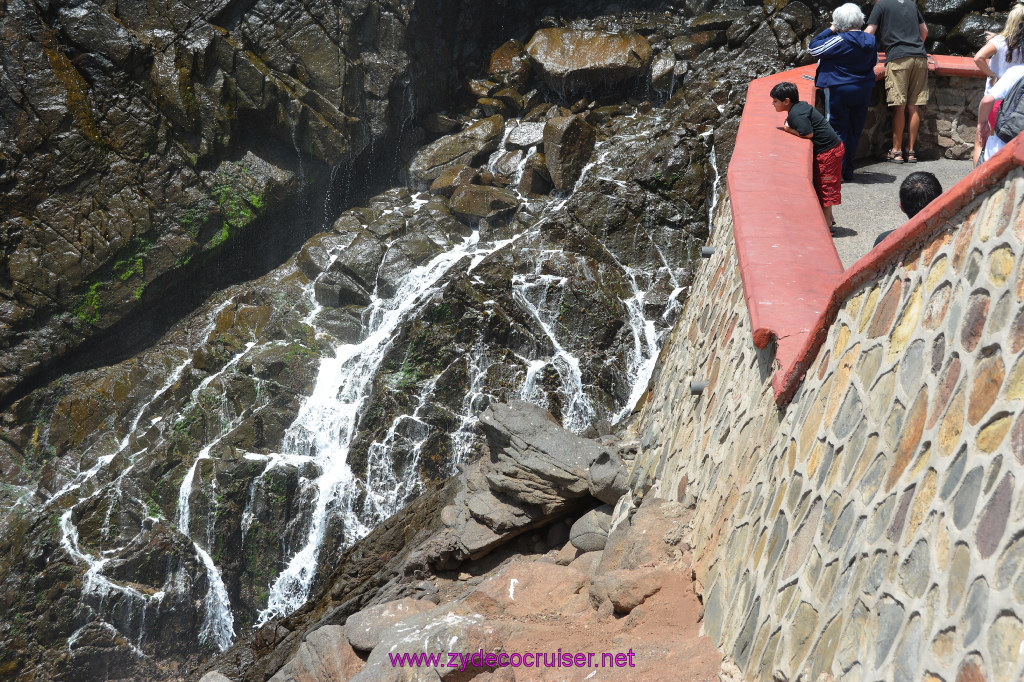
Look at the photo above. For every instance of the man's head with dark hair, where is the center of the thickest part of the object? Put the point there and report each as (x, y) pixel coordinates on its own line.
(785, 90)
(917, 191)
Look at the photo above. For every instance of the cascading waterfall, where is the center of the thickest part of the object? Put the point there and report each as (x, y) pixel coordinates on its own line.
(472, 404)
(715, 184)
(533, 293)
(218, 620)
(327, 422)
(386, 488)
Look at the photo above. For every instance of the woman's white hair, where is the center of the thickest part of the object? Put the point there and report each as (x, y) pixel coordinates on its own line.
(847, 17)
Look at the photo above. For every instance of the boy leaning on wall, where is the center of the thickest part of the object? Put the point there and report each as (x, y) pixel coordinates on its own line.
(807, 122)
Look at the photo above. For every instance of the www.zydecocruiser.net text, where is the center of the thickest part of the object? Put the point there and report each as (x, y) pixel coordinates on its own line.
(529, 659)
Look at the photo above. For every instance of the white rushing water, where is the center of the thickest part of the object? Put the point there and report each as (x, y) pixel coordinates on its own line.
(217, 616)
(326, 423)
(218, 620)
(319, 440)
(539, 294)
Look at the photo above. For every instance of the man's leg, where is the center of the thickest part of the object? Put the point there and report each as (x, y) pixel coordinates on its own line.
(915, 125)
(917, 96)
(898, 123)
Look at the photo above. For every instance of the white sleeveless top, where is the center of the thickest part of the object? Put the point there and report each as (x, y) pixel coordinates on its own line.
(1000, 61)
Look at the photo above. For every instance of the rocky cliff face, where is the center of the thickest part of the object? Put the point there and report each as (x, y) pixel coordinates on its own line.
(144, 145)
(215, 385)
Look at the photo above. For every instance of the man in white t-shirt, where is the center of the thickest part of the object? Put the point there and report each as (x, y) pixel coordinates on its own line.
(997, 92)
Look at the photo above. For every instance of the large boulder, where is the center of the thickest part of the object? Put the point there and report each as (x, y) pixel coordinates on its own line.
(445, 629)
(366, 628)
(336, 288)
(467, 147)
(473, 202)
(571, 61)
(568, 144)
(452, 178)
(526, 135)
(590, 532)
(608, 478)
(536, 179)
(324, 656)
(510, 64)
(627, 589)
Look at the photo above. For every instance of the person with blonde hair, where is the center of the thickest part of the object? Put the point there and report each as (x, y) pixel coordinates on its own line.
(1003, 50)
(846, 74)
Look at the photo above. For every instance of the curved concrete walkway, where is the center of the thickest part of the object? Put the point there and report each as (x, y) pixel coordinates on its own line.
(871, 203)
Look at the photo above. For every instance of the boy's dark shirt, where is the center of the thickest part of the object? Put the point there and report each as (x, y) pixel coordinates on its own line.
(899, 28)
(804, 119)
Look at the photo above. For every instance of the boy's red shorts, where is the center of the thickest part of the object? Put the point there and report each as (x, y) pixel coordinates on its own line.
(828, 175)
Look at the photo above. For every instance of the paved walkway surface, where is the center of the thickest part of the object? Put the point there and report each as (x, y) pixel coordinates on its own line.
(871, 203)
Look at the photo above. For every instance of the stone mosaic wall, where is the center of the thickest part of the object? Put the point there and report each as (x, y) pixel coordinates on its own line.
(874, 529)
(948, 122)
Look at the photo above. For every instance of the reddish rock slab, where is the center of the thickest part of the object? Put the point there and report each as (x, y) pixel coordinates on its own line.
(974, 321)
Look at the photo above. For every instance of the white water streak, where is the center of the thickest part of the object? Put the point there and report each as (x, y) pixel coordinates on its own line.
(328, 419)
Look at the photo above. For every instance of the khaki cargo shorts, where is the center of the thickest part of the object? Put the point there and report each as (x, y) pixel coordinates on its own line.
(906, 81)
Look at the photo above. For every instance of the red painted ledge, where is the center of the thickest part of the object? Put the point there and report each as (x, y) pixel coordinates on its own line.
(793, 280)
(788, 263)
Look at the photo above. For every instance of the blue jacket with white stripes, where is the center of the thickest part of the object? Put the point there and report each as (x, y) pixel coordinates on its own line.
(844, 58)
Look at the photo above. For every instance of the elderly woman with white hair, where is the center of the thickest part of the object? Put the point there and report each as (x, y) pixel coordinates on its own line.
(846, 72)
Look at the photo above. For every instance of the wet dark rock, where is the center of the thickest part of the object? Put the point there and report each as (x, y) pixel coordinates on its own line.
(526, 135)
(570, 60)
(714, 21)
(316, 254)
(799, 16)
(465, 148)
(742, 27)
(335, 288)
(480, 87)
(505, 164)
(92, 29)
(473, 202)
(510, 64)
(492, 107)
(568, 144)
(441, 124)
(358, 254)
(453, 178)
(536, 179)
(511, 98)
(968, 36)
(949, 9)
(663, 71)
(403, 255)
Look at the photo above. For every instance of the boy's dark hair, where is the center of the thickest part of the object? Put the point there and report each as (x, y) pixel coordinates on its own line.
(784, 91)
(917, 191)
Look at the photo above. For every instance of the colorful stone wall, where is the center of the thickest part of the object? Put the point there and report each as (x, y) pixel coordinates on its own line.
(874, 528)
